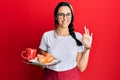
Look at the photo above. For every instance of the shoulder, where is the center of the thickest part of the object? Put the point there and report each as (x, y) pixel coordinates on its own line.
(78, 34)
(48, 33)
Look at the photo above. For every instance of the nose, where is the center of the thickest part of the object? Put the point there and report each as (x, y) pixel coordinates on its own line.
(65, 17)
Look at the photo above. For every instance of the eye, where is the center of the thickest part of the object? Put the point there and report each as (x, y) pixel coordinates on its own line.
(68, 14)
(60, 14)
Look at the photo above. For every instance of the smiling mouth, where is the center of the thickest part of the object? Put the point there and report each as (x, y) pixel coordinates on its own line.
(64, 22)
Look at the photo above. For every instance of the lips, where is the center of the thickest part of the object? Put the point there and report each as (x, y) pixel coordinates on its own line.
(64, 22)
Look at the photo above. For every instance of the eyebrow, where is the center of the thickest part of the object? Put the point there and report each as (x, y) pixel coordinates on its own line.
(67, 13)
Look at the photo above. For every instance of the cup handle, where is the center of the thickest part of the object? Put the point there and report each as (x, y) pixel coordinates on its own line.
(22, 54)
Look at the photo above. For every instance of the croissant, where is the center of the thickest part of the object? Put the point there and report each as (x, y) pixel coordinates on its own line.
(46, 58)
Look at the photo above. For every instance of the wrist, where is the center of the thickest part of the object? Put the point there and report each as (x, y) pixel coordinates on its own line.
(88, 48)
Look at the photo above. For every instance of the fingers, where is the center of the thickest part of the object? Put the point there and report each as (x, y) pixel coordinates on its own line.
(26, 62)
(87, 31)
(91, 34)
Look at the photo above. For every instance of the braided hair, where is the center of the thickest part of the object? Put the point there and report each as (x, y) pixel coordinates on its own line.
(71, 26)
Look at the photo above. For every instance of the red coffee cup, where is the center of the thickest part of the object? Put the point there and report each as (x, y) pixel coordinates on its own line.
(29, 54)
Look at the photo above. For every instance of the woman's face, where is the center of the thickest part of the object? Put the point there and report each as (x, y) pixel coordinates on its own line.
(64, 16)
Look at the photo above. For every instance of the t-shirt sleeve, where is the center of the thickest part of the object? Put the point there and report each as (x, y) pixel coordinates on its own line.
(43, 45)
(80, 48)
(79, 37)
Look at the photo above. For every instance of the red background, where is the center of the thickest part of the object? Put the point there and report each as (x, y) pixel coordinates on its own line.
(22, 23)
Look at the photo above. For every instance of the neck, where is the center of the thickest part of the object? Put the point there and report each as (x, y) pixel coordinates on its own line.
(62, 31)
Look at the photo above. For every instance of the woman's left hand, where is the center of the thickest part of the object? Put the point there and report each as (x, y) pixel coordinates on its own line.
(87, 38)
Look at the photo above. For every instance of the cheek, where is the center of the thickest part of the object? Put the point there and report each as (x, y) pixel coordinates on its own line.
(69, 21)
(60, 20)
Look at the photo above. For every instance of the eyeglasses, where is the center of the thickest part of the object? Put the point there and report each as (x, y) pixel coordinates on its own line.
(62, 15)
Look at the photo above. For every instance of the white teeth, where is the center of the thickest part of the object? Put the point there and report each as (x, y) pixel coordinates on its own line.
(64, 22)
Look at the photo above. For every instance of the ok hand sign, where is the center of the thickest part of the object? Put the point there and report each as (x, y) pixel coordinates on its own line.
(87, 38)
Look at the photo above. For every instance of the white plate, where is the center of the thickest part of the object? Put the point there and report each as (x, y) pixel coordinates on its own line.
(36, 62)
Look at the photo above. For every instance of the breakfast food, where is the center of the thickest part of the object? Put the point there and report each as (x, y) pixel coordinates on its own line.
(45, 58)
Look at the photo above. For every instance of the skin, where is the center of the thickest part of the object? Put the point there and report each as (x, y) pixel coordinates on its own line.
(82, 59)
(62, 30)
(65, 21)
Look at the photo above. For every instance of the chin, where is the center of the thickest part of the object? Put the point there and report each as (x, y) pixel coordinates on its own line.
(65, 25)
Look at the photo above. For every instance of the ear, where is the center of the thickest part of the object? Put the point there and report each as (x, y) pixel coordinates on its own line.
(56, 18)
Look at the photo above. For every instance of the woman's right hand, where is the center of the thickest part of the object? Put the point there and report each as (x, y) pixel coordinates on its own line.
(26, 61)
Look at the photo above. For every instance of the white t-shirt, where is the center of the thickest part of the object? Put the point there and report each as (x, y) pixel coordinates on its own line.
(62, 48)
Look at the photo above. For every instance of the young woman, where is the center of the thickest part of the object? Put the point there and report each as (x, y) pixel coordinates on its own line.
(72, 48)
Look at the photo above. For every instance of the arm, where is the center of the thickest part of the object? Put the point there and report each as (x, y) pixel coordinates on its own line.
(82, 60)
(41, 52)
